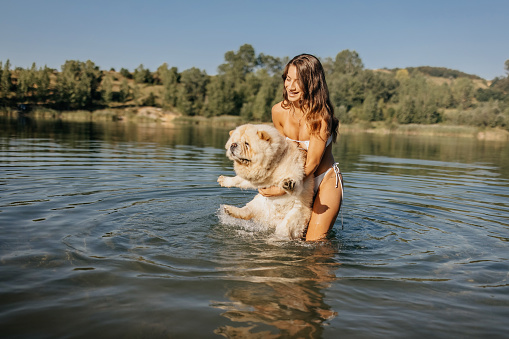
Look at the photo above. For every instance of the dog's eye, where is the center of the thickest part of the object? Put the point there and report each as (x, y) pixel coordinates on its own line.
(247, 144)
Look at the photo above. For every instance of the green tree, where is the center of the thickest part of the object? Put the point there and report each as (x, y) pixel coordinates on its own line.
(5, 80)
(32, 84)
(191, 91)
(43, 83)
(345, 80)
(150, 100)
(463, 92)
(417, 102)
(169, 79)
(381, 85)
(488, 94)
(246, 85)
(406, 110)
(123, 94)
(272, 65)
(346, 90)
(143, 75)
(107, 89)
(239, 64)
(348, 62)
(501, 84)
(444, 96)
(137, 94)
(370, 109)
(220, 97)
(265, 96)
(25, 84)
(248, 90)
(486, 114)
(125, 73)
(77, 84)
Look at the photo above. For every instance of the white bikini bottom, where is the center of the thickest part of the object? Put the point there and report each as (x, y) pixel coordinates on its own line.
(318, 179)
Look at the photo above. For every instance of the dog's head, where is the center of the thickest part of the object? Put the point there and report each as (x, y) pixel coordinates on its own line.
(253, 145)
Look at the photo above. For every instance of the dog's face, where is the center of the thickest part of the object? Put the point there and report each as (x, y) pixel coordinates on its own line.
(251, 144)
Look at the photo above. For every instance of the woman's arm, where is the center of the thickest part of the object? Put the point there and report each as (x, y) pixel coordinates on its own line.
(316, 150)
(273, 191)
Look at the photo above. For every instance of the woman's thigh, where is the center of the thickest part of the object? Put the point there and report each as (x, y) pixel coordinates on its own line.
(325, 207)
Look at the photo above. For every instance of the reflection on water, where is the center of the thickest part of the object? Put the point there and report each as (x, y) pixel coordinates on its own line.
(276, 293)
(112, 230)
(71, 132)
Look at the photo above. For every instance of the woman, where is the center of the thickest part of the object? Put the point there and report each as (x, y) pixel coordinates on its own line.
(306, 116)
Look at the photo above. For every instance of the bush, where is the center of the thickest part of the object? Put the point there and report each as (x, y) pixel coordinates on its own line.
(488, 114)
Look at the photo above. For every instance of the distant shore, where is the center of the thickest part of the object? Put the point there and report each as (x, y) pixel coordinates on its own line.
(494, 134)
(158, 115)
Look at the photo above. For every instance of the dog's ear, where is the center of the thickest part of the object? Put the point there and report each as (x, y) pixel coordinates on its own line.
(231, 132)
(263, 135)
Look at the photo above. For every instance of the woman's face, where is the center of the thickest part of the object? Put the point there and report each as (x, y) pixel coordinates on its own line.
(292, 86)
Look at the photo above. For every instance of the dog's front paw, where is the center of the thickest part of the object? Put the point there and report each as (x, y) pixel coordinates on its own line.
(288, 184)
(222, 180)
(228, 210)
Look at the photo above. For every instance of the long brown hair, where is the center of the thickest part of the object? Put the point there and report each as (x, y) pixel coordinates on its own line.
(315, 102)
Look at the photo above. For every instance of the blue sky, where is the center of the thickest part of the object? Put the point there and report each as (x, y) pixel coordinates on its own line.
(470, 36)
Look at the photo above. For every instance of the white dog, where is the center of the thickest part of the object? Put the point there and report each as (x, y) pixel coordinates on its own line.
(263, 158)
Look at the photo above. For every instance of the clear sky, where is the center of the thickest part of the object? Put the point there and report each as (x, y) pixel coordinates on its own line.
(470, 36)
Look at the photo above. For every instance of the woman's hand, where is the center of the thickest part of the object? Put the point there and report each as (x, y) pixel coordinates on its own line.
(273, 191)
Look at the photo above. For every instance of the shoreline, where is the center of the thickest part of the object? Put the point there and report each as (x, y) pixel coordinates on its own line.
(158, 115)
(440, 130)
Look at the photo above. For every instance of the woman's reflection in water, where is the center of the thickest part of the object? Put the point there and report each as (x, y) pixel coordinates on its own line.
(280, 294)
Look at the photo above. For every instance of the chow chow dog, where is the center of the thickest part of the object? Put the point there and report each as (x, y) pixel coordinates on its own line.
(262, 157)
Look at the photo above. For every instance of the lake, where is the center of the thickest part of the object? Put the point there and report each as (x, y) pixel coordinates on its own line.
(113, 230)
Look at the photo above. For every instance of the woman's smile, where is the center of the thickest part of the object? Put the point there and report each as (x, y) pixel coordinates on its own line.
(292, 94)
(292, 85)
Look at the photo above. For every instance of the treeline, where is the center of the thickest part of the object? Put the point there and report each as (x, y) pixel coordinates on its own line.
(442, 72)
(248, 85)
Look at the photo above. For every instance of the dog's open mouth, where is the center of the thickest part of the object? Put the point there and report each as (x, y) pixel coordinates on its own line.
(238, 159)
(243, 161)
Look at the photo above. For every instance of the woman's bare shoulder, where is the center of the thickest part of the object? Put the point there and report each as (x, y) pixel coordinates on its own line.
(278, 114)
(278, 111)
(278, 108)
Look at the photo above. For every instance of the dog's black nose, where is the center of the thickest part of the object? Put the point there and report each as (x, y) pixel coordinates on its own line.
(233, 146)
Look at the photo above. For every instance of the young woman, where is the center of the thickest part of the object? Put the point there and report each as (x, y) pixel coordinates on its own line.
(306, 116)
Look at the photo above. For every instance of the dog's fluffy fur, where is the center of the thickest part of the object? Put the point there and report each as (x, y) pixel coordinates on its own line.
(263, 158)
